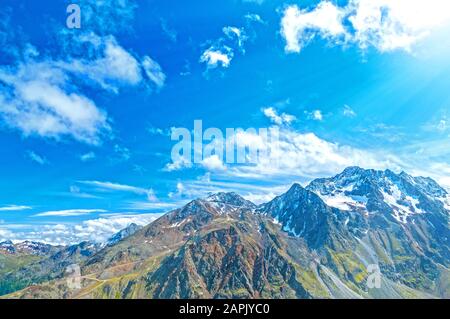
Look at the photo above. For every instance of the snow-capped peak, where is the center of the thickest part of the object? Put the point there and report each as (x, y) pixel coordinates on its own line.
(26, 247)
(230, 198)
(366, 190)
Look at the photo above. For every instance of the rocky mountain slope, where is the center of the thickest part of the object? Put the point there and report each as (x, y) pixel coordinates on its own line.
(26, 248)
(322, 241)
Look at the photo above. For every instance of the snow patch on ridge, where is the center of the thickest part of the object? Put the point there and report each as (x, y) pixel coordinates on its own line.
(402, 206)
(446, 202)
(344, 202)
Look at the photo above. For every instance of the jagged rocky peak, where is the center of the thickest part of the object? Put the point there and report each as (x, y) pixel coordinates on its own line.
(7, 247)
(400, 195)
(426, 184)
(295, 188)
(6, 243)
(297, 195)
(354, 170)
(230, 198)
(301, 213)
(355, 176)
(122, 234)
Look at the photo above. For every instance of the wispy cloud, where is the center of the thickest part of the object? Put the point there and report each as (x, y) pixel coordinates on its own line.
(14, 208)
(121, 154)
(115, 187)
(149, 206)
(237, 34)
(87, 157)
(69, 212)
(153, 71)
(276, 118)
(315, 115)
(348, 111)
(76, 192)
(222, 50)
(253, 17)
(37, 158)
(115, 66)
(171, 33)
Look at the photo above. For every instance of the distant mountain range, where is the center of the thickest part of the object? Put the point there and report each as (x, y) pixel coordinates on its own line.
(322, 241)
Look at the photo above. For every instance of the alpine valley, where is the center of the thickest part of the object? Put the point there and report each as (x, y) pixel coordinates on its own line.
(319, 241)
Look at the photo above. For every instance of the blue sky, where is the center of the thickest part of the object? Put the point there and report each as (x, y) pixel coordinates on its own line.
(86, 114)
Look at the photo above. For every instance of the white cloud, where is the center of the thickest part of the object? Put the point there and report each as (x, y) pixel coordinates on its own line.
(96, 230)
(42, 96)
(298, 26)
(99, 230)
(306, 155)
(36, 102)
(297, 155)
(113, 66)
(37, 158)
(122, 152)
(217, 57)
(14, 208)
(177, 164)
(293, 154)
(254, 17)
(182, 192)
(439, 123)
(6, 234)
(151, 196)
(261, 197)
(153, 71)
(348, 111)
(213, 163)
(87, 157)
(317, 115)
(69, 212)
(236, 33)
(221, 51)
(158, 131)
(389, 25)
(386, 25)
(276, 118)
(443, 125)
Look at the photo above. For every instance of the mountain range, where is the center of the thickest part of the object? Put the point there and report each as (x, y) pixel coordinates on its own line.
(319, 241)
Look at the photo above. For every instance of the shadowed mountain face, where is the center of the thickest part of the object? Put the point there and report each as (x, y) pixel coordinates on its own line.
(322, 241)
